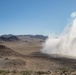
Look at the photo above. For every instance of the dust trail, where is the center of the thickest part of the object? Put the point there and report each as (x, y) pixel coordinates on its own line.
(65, 44)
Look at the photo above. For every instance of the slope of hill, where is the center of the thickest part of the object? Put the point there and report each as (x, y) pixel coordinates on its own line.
(5, 51)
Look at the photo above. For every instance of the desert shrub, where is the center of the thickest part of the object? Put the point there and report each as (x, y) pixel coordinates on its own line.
(14, 71)
(64, 69)
(41, 72)
(26, 72)
(6, 58)
(3, 72)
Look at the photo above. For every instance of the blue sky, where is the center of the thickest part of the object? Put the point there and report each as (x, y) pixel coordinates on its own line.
(35, 16)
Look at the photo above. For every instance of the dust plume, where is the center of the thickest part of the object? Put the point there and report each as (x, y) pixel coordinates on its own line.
(65, 43)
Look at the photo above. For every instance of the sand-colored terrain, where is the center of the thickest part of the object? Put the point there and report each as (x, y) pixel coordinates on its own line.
(21, 57)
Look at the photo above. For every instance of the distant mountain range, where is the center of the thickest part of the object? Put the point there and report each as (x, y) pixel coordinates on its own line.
(11, 37)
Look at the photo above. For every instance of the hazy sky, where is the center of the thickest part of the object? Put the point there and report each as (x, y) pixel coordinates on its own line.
(35, 16)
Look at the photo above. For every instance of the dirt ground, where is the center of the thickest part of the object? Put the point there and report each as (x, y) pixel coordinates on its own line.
(27, 59)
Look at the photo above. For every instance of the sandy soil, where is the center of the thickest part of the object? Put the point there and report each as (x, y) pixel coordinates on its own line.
(26, 56)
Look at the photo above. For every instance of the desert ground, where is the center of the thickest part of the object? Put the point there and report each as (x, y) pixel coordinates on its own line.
(24, 57)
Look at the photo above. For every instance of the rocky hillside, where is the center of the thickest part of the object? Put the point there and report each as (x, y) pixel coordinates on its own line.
(5, 51)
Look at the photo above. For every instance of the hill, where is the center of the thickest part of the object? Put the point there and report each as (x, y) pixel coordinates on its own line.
(9, 37)
(5, 51)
